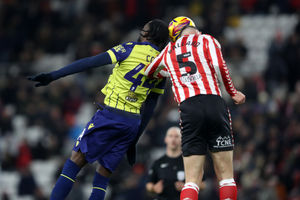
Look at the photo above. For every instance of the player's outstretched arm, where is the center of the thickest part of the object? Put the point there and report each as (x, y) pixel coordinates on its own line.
(75, 67)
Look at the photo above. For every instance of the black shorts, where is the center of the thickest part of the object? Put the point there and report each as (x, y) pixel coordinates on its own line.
(205, 124)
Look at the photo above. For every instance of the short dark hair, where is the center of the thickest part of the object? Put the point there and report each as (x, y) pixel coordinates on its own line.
(185, 27)
(158, 33)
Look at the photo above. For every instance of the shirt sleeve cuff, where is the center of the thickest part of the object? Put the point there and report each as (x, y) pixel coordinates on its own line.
(112, 56)
(157, 90)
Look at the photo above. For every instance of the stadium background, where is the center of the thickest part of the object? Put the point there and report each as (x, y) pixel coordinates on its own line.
(260, 42)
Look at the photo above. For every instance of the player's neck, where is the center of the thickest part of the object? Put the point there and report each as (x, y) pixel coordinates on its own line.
(143, 39)
(173, 153)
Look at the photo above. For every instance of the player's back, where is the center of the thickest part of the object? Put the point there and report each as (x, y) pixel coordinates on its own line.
(189, 62)
(127, 87)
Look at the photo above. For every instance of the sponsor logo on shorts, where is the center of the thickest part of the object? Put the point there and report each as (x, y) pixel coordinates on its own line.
(79, 138)
(91, 126)
(223, 142)
(81, 135)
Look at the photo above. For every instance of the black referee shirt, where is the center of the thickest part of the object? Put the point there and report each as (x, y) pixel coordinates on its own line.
(169, 170)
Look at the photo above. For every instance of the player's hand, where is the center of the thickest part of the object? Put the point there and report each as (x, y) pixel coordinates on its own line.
(179, 185)
(158, 187)
(41, 79)
(239, 98)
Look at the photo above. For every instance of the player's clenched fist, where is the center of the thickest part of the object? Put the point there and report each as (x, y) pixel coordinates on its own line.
(42, 79)
(239, 98)
(158, 187)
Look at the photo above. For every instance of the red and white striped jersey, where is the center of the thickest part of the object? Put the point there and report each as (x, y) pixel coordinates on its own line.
(192, 63)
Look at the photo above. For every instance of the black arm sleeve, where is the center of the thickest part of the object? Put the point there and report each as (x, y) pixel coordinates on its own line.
(82, 64)
(146, 114)
(152, 174)
(148, 110)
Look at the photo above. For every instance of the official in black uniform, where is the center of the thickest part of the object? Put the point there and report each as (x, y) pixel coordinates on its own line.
(166, 176)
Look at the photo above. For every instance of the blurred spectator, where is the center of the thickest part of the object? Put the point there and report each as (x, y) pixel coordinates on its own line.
(28, 186)
(291, 56)
(24, 158)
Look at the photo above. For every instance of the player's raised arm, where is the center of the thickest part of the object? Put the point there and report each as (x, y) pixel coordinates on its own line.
(218, 62)
(156, 69)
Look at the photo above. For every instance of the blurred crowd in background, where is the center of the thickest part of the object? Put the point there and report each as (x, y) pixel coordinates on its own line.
(41, 124)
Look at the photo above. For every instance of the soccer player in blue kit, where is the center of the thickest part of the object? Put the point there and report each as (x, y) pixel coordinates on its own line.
(114, 129)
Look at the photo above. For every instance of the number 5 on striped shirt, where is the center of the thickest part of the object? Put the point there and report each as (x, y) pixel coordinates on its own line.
(185, 63)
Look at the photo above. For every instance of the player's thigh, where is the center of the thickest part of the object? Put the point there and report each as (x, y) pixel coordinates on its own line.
(223, 164)
(111, 159)
(193, 127)
(220, 137)
(193, 167)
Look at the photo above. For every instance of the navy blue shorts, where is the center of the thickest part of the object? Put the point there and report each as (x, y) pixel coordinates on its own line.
(107, 136)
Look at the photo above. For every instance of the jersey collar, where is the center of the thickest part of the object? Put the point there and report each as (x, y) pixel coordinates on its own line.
(152, 45)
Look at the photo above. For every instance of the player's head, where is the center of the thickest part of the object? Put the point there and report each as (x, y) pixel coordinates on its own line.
(173, 138)
(156, 32)
(187, 30)
(177, 24)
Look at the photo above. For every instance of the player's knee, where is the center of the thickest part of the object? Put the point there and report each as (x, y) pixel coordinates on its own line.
(194, 176)
(223, 164)
(78, 158)
(103, 171)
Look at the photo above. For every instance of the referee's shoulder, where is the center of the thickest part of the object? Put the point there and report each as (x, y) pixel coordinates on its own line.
(160, 159)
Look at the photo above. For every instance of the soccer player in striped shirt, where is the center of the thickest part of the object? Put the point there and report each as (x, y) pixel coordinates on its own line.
(192, 62)
(116, 127)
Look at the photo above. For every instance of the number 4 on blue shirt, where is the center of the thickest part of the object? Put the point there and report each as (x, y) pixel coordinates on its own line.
(138, 80)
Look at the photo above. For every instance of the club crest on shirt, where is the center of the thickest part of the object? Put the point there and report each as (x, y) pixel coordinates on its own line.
(131, 97)
(164, 165)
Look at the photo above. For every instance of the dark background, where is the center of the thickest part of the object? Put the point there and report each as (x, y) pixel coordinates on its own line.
(260, 42)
